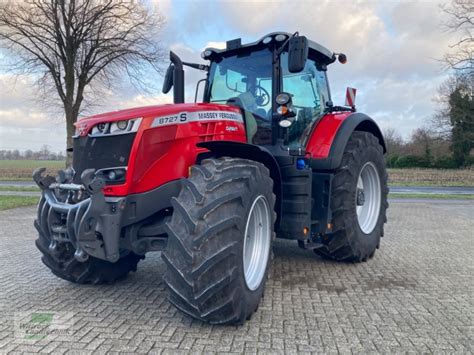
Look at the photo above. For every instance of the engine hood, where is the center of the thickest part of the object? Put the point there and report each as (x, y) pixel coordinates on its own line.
(84, 125)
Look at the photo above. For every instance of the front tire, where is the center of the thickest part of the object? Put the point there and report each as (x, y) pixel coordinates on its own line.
(63, 264)
(358, 201)
(219, 240)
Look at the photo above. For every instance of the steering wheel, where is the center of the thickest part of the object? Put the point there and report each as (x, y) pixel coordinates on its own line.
(262, 97)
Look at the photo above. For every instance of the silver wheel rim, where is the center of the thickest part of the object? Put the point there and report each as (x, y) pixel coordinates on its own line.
(257, 242)
(368, 197)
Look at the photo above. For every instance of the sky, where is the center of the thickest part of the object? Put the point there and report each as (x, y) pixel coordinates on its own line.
(393, 50)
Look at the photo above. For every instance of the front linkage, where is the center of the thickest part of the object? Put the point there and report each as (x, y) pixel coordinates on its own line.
(79, 214)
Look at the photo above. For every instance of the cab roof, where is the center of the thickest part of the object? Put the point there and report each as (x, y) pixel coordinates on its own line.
(316, 50)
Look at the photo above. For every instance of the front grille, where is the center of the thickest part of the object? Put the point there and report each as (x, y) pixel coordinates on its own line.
(101, 152)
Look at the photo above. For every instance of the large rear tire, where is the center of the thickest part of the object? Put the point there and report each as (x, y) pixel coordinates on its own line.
(62, 263)
(219, 243)
(358, 201)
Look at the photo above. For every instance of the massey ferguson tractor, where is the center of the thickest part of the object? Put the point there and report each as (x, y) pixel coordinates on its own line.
(265, 154)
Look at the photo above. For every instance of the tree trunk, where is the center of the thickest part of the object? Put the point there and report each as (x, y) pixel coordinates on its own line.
(70, 130)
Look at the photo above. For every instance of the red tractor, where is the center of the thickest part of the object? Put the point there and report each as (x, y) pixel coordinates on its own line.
(211, 184)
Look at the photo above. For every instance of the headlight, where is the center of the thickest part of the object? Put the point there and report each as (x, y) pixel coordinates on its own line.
(122, 125)
(283, 98)
(117, 127)
(100, 128)
(113, 175)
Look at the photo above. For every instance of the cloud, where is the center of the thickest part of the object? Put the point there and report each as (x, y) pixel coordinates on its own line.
(141, 100)
(393, 47)
(216, 45)
(24, 123)
(392, 50)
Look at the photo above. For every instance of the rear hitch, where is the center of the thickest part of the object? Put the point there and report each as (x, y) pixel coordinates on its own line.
(312, 243)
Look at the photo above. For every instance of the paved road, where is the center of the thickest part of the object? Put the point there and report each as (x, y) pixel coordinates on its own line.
(414, 296)
(452, 190)
(18, 183)
(449, 190)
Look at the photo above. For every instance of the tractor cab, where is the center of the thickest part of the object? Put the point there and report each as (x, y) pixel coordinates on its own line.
(252, 76)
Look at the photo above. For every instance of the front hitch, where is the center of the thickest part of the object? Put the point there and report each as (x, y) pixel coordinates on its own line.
(79, 214)
(42, 181)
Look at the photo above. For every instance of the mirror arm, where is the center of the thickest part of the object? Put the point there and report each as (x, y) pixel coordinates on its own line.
(197, 89)
(197, 66)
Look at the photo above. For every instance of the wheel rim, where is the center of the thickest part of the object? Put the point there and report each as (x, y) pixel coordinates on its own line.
(257, 243)
(368, 197)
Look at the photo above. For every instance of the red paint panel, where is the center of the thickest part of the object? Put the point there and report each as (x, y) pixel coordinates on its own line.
(324, 133)
(164, 153)
(86, 123)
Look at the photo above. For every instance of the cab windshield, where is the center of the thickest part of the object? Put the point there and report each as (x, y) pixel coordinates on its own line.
(246, 80)
(245, 77)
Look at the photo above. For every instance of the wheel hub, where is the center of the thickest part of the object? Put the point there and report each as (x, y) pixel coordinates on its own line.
(368, 197)
(258, 233)
(360, 197)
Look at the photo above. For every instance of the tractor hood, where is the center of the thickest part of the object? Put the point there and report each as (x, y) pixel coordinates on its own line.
(84, 125)
(154, 144)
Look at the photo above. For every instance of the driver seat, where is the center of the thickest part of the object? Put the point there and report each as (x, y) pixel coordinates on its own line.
(245, 102)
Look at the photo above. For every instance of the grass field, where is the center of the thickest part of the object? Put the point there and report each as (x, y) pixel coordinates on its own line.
(431, 177)
(22, 170)
(7, 202)
(20, 188)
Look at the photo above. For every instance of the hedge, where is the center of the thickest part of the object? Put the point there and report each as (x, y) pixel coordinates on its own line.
(415, 161)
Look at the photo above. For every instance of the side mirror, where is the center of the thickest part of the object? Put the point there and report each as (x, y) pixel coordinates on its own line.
(168, 82)
(297, 53)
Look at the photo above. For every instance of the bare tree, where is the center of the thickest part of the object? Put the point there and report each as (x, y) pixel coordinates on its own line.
(460, 21)
(394, 141)
(44, 152)
(460, 61)
(74, 45)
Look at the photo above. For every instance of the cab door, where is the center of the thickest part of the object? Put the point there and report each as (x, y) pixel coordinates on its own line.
(310, 97)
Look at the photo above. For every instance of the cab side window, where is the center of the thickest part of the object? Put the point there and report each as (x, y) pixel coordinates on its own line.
(310, 95)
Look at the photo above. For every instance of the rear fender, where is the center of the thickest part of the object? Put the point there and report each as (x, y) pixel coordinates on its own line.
(352, 122)
(251, 152)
